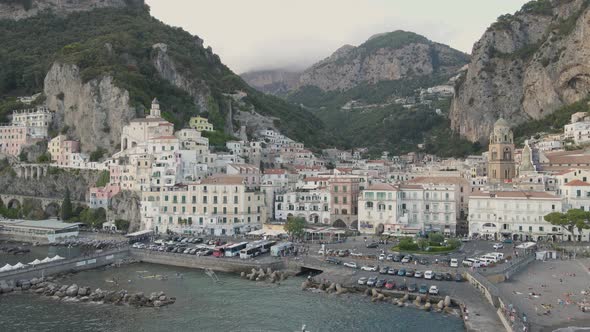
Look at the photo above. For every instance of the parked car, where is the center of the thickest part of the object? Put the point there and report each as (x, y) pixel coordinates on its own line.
(433, 290)
(423, 289)
(382, 257)
(356, 254)
(351, 265)
(380, 283)
(448, 276)
(407, 259)
(498, 246)
(333, 260)
(454, 262)
(392, 271)
(390, 257)
(507, 241)
(370, 268)
(423, 261)
(465, 239)
(438, 276)
(321, 252)
(402, 287)
(458, 277)
(390, 284)
(343, 253)
(410, 273)
(373, 245)
(371, 281)
(362, 281)
(418, 274)
(412, 287)
(498, 255)
(471, 262)
(397, 258)
(401, 272)
(384, 270)
(428, 275)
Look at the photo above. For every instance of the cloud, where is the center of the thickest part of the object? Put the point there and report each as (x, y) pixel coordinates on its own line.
(255, 34)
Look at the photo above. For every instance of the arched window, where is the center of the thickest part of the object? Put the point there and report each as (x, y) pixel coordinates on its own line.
(369, 205)
(507, 154)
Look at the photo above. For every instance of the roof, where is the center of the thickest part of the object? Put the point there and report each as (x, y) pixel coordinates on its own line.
(568, 157)
(513, 194)
(501, 123)
(577, 183)
(411, 186)
(275, 171)
(165, 137)
(382, 187)
(155, 101)
(224, 179)
(440, 180)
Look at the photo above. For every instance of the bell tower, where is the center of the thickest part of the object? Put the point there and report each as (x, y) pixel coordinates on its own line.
(155, 110)
(501, 166)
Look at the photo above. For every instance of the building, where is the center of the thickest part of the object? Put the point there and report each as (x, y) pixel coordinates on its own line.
(46, 231)
(344, 192)
(62, 150)
(579, 132)
(311, 205)
(140, 130)
(200, 124)
(219, 205)
(36, 119)
(100, 197)
(518, 215)
(378, 209)
(27, 127)
(501, 166)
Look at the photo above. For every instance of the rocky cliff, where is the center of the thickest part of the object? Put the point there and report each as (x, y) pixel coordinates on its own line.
(22, 9)
(384, 57)
(277, 82)
(93, 112)
(126, 205)
(524, 67)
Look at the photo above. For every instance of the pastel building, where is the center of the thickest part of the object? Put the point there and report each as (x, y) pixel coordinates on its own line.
(200, 124)
(63, 151)
(100, 197)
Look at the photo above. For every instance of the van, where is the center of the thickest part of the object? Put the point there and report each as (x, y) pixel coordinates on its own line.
(471, 262)
(486, 260)
(454, 262)
(489, 258)
(428, 275)
(498, 255)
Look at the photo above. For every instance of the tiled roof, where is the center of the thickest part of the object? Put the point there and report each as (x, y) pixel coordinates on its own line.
(514, 194)
(577, 183)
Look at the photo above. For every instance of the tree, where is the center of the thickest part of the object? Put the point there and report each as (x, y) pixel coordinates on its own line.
(295, 227)
(122, 225)
(436, 238)
(572, 218)
(422, 243)
(66, 206)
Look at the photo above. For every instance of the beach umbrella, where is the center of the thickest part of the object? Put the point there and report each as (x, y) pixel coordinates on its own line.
(19, 265)
(57, 258)
(35, 262)
(46, 260)
(5, 268)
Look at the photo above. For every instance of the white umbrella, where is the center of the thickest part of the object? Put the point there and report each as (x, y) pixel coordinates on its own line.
(5, 268)
(35, 262)
(46, 260)
(57, 258)
(19, 265)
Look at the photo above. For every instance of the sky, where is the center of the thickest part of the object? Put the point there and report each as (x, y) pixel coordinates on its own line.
(269, 34)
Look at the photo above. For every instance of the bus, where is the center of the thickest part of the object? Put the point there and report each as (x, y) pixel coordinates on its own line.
(219, 251)
(263, 244)
(250, 252)
(234, 249)
(278, 249)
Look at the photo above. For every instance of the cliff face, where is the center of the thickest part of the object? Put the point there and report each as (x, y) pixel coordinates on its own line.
(276, 82)
(525, 67)
(21, 9)
(126, 205)
(385, 57)
(94, 112)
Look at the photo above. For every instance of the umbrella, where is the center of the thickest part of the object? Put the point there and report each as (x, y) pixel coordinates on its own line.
(57, 258)
(6, 267)
(35, 262)
(19, 265)
(46, 260)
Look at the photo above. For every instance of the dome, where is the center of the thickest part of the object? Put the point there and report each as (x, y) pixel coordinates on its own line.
(501, 123)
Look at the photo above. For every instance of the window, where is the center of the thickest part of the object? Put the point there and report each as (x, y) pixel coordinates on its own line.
(204, 199)
(215, 210)
(335, 199)
(344, 188)
(344, 200)
(335, 189)
(214, 199)
(235, 199)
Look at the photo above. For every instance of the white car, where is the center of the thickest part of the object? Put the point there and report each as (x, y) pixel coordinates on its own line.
(382, 257)
(498, 246)
(350, 264)
(362, 281)
(433, 290)
(428, 275)
(407, 259)
(369, 268)
(321, 252)
(454, 262)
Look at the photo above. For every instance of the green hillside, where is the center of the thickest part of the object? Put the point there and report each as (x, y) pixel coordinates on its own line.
(118, 42)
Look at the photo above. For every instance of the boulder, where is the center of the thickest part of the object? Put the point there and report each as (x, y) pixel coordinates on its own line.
(35, 281)
(60, 294)
(374, 292)
(84, 299)
(157, 303)
(380, 297)
(405, 298)
(39, 290)
(441, 304)
(83, 291)
(418, 300)
(340, 289)
(427, 306)
(63, 288)
(322, 286)
(243, 274)
(447, 301)
(268, 271)
(332, 288)
(367, 292)
(72, 290)
(305, 285)
(26, 285)
(162, 298)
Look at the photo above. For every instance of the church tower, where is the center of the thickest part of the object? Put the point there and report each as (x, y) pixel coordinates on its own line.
(155, 110)
(501, 166)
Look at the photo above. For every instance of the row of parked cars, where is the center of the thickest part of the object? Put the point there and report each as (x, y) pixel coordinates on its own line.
(401, 258)
(180, 248)
(484, 260)
(390, 284)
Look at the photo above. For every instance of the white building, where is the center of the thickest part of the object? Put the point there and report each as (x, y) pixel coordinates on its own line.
(312, 205)
(513, 214)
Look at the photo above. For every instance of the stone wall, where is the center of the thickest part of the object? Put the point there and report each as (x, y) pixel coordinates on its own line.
(197, 262)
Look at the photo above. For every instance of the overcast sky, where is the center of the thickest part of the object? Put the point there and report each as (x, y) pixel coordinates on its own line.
(267, 34)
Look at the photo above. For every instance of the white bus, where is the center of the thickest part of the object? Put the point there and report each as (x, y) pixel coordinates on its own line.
(234, 249)
(250, 252)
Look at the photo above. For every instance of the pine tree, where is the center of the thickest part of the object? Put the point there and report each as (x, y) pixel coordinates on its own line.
(66, 206)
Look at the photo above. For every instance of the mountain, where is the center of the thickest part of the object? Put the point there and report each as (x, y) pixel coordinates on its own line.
(384, 57)
(369, 95)
(276, 82)
(101, 67)
(525, 67)
(21, 9)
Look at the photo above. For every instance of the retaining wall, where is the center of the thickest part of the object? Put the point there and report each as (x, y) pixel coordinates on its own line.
(74, 264)
(234, 265)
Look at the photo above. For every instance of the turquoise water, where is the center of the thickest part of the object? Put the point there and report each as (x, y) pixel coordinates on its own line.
(233, 304)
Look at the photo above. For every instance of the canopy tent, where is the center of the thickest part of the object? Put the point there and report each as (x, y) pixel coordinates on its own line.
(56, 258)
(18, 265)
(35, 262)
(257, 232)
(6, 267)
(46, 260)
(526, 245)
